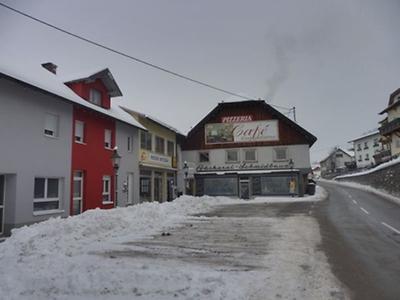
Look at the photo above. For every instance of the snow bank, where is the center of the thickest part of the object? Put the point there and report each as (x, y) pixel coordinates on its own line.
(60, 258)
(366, 188)
(377, 168)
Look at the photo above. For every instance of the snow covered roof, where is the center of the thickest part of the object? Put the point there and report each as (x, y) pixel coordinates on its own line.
(155, 120)
(347, 152)
(38, 77)
(374, 132)
(105, 76)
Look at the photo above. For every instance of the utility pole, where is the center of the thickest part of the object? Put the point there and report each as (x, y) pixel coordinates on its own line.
(294, 113)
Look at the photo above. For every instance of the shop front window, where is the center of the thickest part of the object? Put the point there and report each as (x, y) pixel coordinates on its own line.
(145, 185)
(278, 185)
(224, 186)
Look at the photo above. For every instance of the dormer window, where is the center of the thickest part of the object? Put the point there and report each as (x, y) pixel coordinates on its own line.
(95, 97)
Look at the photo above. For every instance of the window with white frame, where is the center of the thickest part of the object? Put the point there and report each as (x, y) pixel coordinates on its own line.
(280, 154)
(146, 140)
(204, 157)
(129, 143)
(107, 138)
(106, 189)
(95, 96)
(160, 145)
(79, 131)
(77, 203)
(366, 156)
(51, 125)
(232, 156)
(47, 194)
(250, 155)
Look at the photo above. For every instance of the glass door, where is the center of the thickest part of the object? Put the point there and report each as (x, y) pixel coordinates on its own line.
(130, 185)
(244, 187)
(77, 198)
(2, 201)
(158, 187)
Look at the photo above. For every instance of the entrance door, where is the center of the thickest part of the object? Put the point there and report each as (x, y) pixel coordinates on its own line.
(158, 187)
(77, 197)
(171, 186)
(2, 201)
(244, 188)
(130, 188)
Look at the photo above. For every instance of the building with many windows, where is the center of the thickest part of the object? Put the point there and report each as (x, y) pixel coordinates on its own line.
(247, 149)
(57, 141)
(365, 147)
(390, 126)
(158, 165)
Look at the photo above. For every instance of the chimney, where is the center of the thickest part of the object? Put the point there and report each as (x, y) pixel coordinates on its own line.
(49, 66)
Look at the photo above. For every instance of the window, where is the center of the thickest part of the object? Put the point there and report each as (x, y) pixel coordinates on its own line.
(359, 147)
(367, 156)
(338, 155)
(359, 158)
(204, 157)
(170, 148)
(107, 138)
(224, 186)
(129, 143)
(79, 132)
(250, 155)
(77, 196)
(106, 189)
(145, 185)
(365, 145)
(376, 142)
(51, 125)
(95, 96)
(232, 156)
(280, 153)
(145, 140)
(160, 147)
(46, 195)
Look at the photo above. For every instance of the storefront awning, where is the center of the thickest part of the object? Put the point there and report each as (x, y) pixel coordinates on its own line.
(157, 167)
(250, 172)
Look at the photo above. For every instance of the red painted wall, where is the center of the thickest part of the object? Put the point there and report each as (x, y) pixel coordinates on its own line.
(92, 157)
(83, 90)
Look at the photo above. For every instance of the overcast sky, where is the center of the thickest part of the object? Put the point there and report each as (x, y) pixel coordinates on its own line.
(336, 61)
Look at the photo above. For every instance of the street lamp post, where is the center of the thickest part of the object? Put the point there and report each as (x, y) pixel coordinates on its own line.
(115, 158)
(186, 173)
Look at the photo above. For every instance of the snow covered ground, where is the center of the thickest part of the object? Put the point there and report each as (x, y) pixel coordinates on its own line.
(97, 255)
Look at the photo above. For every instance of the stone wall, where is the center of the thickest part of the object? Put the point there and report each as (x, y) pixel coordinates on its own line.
(387, 179)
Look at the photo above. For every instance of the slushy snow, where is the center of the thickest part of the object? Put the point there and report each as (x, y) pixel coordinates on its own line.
(59, 258)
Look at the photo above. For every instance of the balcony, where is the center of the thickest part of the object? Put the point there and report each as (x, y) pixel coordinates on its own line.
(388, 128)
(382, 156)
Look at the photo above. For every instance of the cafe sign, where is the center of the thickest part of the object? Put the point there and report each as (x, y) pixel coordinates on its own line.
(155, 159)
(241, 132)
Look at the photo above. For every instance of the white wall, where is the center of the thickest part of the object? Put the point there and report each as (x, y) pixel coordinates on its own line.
(26, 153)
(363, 152)
(129, 161)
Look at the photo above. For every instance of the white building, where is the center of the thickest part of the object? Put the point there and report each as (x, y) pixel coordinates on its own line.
(365, 147)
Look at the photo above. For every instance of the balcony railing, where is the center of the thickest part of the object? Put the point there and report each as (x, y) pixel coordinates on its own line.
(389, 127)
(382, 156)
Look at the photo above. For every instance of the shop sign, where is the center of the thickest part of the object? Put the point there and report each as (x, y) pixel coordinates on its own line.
(242, 167)
(155, 159)
(242, 132)
(237, 119)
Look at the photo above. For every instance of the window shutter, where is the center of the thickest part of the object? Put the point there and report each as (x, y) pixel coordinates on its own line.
(51, 124)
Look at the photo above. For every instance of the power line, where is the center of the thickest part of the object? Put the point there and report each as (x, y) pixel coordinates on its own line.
(154, 66)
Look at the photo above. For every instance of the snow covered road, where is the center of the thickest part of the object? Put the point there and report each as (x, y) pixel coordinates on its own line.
(192, 248)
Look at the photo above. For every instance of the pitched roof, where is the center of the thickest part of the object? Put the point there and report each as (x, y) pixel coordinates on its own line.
(153, 119)
(309, 137)
(374, 132)
(35, 76)
(392, 103)
(347, 152)
(105, 76)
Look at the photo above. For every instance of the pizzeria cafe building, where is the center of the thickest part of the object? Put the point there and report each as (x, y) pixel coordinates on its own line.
(247, 149)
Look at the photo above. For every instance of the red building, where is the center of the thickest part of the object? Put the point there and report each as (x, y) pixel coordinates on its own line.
(94, 140)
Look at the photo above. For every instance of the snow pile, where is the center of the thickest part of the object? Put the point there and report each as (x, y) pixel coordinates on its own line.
(377, 168)
(74, 258)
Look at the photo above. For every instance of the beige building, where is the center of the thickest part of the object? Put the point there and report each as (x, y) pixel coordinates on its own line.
(390, 126)
(157, 159)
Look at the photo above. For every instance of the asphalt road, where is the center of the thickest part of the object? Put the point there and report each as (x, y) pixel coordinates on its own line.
(361, 237)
